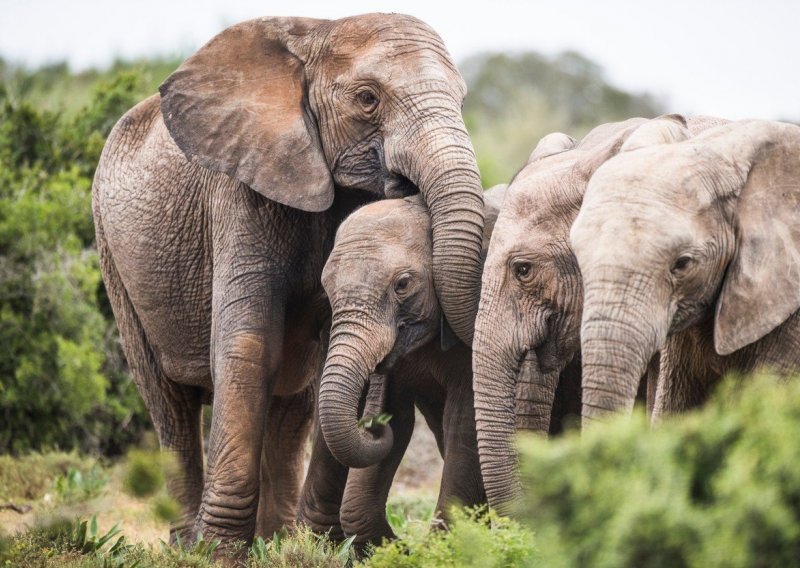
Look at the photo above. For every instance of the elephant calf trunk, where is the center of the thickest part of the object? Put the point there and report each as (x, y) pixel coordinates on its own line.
(343, 379)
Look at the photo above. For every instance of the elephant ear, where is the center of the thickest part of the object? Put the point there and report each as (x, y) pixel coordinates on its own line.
(238, 106)
(762, 284)
(603, 143)
(666, 129)
(608, 140)
(552, 144)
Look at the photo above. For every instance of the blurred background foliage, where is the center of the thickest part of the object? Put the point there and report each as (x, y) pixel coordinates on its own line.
(63, 379)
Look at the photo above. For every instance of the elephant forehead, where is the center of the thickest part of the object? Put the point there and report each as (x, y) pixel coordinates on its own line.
(550, 198)
(386, 221)
(365, 263)
(390, 48)
(686, 177)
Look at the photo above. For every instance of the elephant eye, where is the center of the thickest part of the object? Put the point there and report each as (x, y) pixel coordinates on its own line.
(522, 270)
(367, 99)
(401, 284)
(681, 263)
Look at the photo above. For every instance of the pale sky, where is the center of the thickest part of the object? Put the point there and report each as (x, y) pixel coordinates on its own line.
(734, 59)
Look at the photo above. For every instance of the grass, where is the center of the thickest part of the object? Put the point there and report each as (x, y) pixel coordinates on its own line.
(715, 487)
(32, 476)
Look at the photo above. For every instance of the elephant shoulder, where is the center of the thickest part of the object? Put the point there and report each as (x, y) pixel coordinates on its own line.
(140, 155)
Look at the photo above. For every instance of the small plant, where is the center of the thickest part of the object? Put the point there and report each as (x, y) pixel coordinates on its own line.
(205, 548)
(395, 519)
(477, 537)
(77, 486)
(88, 540)
(371, 421)
(166, 508)
(301, 548)
(145, 473)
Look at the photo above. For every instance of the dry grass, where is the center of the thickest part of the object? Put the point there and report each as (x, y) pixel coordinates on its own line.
(32, 481)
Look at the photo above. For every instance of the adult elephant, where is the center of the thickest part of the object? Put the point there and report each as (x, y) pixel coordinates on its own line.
(527, 332)
(703, 264)
(216, 204)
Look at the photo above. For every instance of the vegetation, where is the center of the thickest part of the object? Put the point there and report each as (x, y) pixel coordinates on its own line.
(719, 487)
(62, 378)
(514, 100)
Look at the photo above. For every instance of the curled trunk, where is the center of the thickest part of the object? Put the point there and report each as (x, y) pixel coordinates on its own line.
(350, 361)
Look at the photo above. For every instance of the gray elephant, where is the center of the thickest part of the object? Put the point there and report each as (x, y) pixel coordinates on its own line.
(527, 332)
(386, 329)
(689, 245)
(216, 204)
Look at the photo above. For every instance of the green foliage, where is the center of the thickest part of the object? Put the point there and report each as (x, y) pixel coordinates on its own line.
(145, 473)
(515, 99)
(61, 542)
(166, 508)
(719, 487)
(77, 486)
(31, 476)
(62, 380)
(409, 508)
(374, 421)
(477, 538)
(302, 548)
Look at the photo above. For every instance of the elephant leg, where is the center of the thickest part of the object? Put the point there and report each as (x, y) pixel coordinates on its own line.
(289, 421)
(363, 510)
(433, 413)
(461, 478)
(323, 489)
(180, 435)
(175, 409)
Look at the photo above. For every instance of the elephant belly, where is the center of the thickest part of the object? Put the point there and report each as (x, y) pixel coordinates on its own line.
(154, 218)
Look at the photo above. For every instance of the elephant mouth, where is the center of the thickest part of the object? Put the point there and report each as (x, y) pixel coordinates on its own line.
(398, 186)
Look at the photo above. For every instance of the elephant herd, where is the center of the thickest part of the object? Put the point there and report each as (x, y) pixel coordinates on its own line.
(252, 259)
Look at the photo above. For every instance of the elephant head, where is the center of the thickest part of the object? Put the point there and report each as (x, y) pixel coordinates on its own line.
(301, 109)
(527, 328)
(380, 284)
(679, 231)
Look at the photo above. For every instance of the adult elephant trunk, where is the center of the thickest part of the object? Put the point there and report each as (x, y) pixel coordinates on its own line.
(621, 330)
(510, 393)
(440, 161)
(356, 347)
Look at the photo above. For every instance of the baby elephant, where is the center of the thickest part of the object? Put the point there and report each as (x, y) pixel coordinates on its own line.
(387, 328)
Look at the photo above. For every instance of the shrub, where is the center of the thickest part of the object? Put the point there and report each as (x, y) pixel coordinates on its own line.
(476, 538)
(719, 487)
(31, 476)
(62, 379)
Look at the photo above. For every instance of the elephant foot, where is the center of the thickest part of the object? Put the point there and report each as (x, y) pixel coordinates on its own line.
(321, 523)
(368, 531)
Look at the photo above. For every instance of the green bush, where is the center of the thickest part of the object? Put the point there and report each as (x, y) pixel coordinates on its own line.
(29, 477)
(62, 379)
(719, 487)
(476, 538)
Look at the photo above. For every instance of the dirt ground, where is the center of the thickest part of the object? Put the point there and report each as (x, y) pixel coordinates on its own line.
(418, 476)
